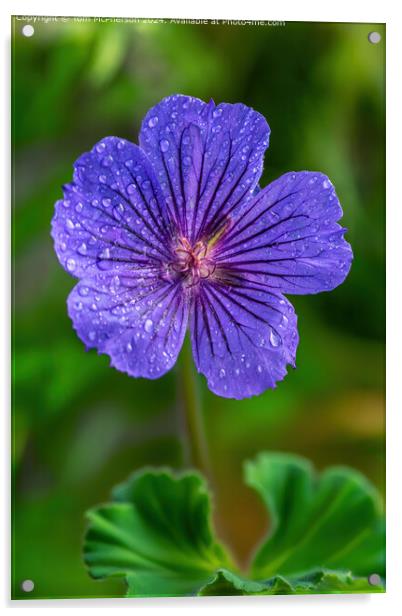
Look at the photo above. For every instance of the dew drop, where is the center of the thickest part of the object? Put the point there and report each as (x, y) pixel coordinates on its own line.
(148, 326)
(153, 121)
(78, 207)
(129, 347)
(259, 368)
(92, 336)
(275, 339)
(222, 373)
(106, 202)
(102, 179)
(131, 188)
(69, 224)
(107, 161)
(84, 291)
(100, 147)
(114, 285)
(164, 145)
(70, 265)
(217, 112)
(83, 249)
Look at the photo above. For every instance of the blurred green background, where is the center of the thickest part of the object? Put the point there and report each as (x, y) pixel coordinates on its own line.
(79, 426)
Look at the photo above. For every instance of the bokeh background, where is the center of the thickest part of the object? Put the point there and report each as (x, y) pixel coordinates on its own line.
(79, 426)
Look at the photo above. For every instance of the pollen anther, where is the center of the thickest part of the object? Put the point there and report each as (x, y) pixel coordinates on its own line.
(192, 261)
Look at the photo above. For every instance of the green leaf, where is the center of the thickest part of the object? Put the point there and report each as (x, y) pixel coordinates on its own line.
(326, 534)
(334, 520)
(157, 534)
(318, 582)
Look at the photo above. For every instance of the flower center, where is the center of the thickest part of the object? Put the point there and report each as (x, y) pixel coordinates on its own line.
(192, 261)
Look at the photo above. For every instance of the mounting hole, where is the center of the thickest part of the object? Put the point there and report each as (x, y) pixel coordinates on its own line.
(374, 37)
(374, 579)
(27, 585)
(28, 30)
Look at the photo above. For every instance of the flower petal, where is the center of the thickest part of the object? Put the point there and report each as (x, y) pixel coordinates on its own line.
(139, 322)
(289, 238)
(208, 158)
(243, 337)
(113, 215)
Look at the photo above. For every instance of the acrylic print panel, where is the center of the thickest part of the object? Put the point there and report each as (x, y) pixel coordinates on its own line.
(198, 235)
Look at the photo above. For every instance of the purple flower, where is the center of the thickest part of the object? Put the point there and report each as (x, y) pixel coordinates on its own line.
(176, 233)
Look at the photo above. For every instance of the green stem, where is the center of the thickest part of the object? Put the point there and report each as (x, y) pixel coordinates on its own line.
(196, 448)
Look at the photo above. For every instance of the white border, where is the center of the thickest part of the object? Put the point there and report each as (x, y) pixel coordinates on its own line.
(307, 10)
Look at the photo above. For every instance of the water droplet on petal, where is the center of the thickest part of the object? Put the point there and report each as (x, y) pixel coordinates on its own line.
(153, 121)
(83, 249)
(222, 373)
(107, 161)
(275, 339)
(164, 145)
(70, 265)
(148, 326)
(106, 202)
(92, 336)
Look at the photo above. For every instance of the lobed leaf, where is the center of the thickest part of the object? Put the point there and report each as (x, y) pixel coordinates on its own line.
(326, 536)
(157, 534)
(333, 520)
